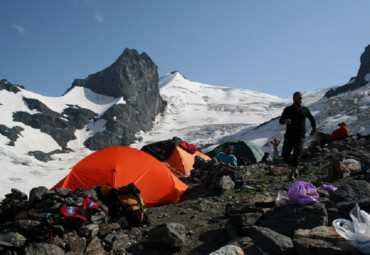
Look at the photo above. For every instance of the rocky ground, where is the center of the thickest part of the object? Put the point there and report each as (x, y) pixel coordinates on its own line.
(223, 212)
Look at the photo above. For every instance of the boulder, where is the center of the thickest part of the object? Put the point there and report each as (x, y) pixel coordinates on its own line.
(171, 235)
(286, 219)
(229, 250)
(307, 246)
(270, 241)
(43, 249)
(351, 191)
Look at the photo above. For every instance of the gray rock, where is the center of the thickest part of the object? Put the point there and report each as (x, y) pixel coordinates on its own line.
(117, 241)
(245, 219)
(4, 84)
(63, 192)
(307, 246)
(74, 243)
(38, 193)
(229, 250)
(351, 191)
(43, 249)
(13, 238)
(47, 121)
(95, 247)
(225, 183)
(270, 241)
(243, 214)
(89, 231)
(11, 133)
(17, 194)
(171, 235)
(286, 219)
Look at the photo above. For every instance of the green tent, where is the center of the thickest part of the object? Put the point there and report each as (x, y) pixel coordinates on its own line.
(251, 151)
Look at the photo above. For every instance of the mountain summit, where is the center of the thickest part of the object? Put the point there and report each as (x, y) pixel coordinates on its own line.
(362, 78)
(133, 77)
(130, 73)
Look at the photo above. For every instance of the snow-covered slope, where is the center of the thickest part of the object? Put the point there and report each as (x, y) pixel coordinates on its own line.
(22, 171)
(203, 114)
(207, 115)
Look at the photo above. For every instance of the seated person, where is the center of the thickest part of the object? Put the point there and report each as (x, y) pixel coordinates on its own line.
(339, 133)
(227, 158)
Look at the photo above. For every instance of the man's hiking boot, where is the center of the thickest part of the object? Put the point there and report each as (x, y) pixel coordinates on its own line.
(293, 175)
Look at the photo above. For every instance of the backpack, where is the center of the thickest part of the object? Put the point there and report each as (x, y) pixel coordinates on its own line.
(336, 170)
(129, 200)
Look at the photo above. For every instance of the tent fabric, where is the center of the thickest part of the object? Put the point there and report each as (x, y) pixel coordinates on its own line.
(162, 150)
(181, 162)
(249, 150)
(119, 166)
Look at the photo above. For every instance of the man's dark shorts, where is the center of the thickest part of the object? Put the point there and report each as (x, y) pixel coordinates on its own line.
(325, 138)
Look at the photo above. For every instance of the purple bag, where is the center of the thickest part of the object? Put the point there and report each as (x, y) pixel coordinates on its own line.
(329, 187)
(303, 193)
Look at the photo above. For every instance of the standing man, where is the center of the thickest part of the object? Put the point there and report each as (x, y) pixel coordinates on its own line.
(294, 117)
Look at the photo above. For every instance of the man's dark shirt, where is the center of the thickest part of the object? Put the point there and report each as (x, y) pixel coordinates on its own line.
(298, 116)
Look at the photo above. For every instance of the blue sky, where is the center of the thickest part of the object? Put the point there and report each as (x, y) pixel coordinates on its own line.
(271, 46)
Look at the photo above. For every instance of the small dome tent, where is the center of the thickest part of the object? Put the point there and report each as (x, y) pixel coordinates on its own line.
(181, 162)
(176, 154)
(249, 150)
(121, 165)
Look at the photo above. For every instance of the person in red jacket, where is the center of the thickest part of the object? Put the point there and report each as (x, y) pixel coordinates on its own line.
(339, 133)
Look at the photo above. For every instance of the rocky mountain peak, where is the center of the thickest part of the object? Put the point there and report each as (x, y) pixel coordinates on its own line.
(356, 82)
(133, 77)
(5, 84)
(365, 65)
(130, 73)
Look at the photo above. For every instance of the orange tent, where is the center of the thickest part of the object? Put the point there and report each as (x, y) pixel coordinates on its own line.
(119, 166)
(181, 162)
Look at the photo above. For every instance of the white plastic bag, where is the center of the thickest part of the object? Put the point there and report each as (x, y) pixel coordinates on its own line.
(357, 230)
(282, 198)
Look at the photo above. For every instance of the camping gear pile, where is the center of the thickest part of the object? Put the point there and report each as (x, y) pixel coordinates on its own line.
(74, 220)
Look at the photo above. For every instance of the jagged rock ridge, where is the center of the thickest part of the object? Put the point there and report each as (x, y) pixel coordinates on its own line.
(356, 82)
(133, 77)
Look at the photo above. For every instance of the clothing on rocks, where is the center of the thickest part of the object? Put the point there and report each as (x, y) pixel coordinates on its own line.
(325, 138)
